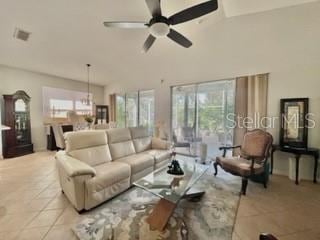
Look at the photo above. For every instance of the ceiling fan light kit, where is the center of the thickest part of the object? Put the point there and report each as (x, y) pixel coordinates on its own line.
(159, 25)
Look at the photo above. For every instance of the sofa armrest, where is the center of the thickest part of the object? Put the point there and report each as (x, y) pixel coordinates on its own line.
(158, 143)
(74, 167)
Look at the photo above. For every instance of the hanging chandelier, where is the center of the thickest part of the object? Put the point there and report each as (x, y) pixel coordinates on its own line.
(87, 101)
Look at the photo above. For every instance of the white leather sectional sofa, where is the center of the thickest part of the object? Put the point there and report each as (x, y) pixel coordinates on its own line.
(97, 165)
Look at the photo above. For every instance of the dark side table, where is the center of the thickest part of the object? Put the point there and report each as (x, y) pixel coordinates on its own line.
(297, 153)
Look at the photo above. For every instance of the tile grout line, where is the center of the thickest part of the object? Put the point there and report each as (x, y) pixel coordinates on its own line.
(53, 224)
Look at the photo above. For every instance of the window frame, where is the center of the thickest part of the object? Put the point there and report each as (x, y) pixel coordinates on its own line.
(138, 93)
(197, 85)
(61, 94)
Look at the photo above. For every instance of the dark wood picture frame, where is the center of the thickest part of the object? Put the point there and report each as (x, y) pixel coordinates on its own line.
(294, 123)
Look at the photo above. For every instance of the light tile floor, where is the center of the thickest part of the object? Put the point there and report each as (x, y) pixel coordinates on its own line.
(33, 207)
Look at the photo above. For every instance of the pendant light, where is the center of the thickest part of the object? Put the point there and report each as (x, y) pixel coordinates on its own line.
(86, 101)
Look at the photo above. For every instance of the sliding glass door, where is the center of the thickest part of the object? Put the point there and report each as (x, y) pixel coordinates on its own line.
(199, 114)
(183, 106)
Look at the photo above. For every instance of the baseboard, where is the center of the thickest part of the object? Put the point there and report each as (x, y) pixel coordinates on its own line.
(280, 172)
(286, 174)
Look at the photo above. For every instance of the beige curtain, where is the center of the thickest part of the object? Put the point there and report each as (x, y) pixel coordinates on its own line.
(251, 103)
(112, 107)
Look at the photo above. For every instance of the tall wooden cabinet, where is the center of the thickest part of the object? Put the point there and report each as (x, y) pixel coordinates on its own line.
(17, 140)
(102, 114)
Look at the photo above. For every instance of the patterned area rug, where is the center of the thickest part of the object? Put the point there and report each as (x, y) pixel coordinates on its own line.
(123, 218)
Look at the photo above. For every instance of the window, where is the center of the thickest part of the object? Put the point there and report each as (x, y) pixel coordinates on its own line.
(132, 109)
(59, 108)
(199, 114)
(58, 102)
(135, 109)
(121, 111)
(146, 109)
(83, 109)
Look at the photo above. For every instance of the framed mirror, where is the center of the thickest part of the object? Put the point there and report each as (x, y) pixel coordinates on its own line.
(294, 123)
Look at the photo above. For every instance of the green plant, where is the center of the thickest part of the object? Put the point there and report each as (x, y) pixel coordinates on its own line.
(88, 118)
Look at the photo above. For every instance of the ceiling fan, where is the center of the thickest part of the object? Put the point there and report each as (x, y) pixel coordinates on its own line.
(159, 25)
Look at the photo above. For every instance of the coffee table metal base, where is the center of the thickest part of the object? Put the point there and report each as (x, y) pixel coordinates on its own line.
(163, 210)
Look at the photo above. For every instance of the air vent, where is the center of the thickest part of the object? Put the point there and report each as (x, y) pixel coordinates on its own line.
(21, 34)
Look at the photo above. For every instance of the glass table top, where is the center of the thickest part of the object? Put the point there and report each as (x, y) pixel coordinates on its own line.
(171, 187)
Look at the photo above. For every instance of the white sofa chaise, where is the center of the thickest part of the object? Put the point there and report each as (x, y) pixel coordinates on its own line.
(98, 165)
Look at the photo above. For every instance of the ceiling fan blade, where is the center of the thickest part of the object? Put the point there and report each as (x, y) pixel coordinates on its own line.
(179, 38)
(194, 12)
(148, 43)
(126, 24)
(154, 7)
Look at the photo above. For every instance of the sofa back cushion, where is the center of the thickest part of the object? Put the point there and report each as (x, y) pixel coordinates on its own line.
(120, 142)
(90, 147)
(141, 139)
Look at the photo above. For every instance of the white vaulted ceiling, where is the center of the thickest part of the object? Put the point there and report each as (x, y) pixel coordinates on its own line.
(68, 34)
(241, 7)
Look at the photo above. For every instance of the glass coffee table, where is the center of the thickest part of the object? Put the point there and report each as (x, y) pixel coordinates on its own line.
(171, 189)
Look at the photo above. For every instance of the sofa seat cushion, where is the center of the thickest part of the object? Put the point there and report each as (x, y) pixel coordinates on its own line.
(239, 166)
(159, 155)
(107, 175)
(138, 162)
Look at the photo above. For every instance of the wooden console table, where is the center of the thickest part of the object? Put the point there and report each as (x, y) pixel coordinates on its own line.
(297, 153)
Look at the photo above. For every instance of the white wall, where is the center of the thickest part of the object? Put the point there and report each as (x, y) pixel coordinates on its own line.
(296, 83)
(12, 79)
(1, 156)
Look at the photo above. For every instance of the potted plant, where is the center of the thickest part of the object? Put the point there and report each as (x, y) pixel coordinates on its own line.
(89, 119)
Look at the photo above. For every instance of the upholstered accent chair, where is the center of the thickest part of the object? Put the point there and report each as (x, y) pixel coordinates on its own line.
(188, 134)
(254, 153)
(177, 144)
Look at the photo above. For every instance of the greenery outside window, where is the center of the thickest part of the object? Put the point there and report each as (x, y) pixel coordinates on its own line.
(135, 109)
(199, 114)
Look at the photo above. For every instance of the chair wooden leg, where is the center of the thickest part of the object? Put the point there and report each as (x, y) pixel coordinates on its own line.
(265, 185)
(244, 185)
(265, 180)
(215, 165)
